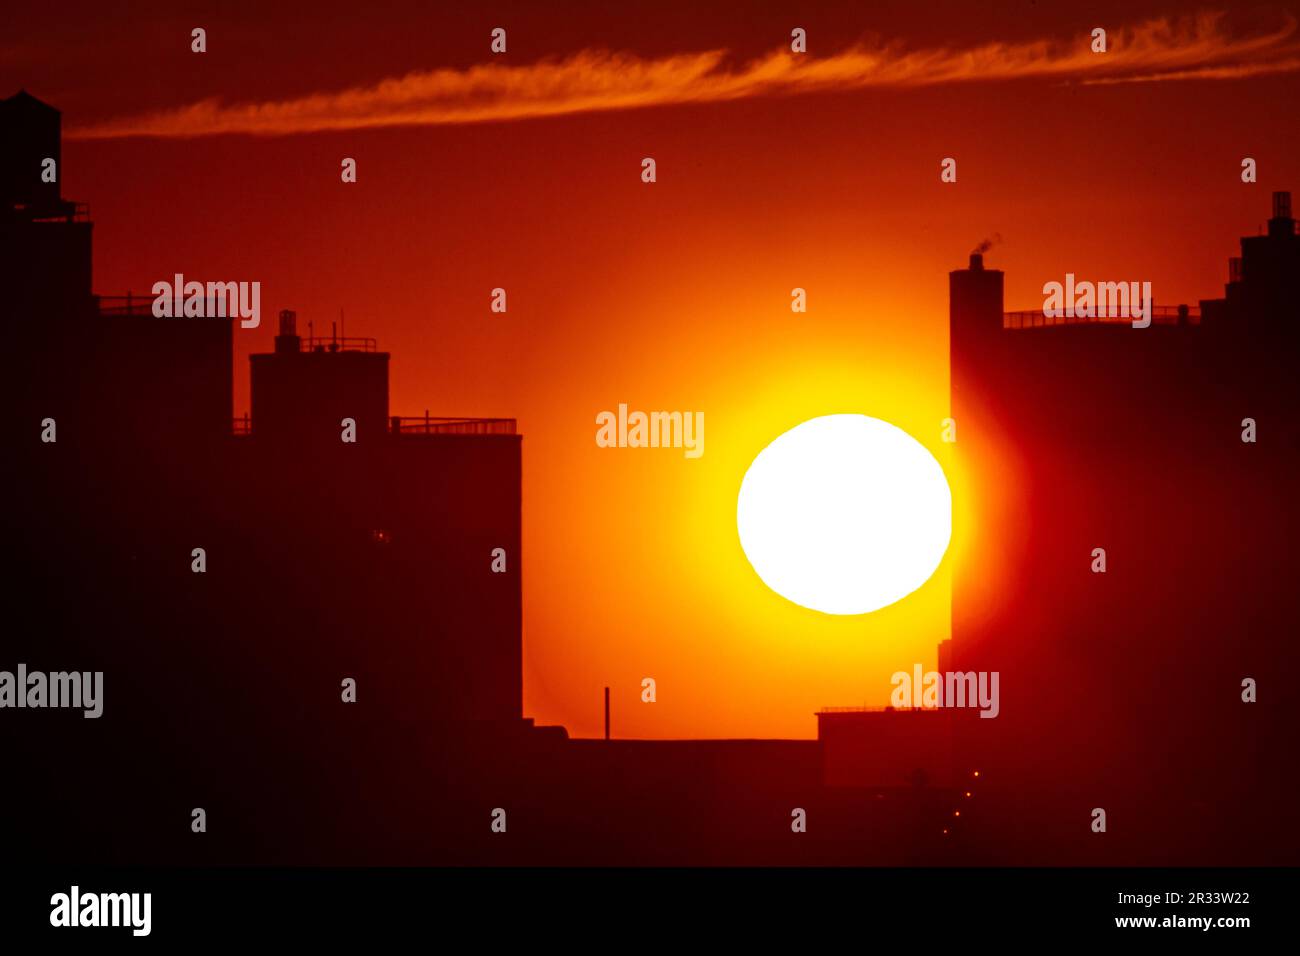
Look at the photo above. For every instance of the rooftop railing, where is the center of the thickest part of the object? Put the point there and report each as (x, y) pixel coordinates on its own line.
(877, 710)
(124, 304)
(336, 343)
(427, 425)
(58, 210)
(142, 306)
(1160, 315)
(451, 426)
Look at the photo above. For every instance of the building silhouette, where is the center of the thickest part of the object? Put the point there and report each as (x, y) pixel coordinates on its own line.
(1122, 689)
(324, 560)
(376, 561)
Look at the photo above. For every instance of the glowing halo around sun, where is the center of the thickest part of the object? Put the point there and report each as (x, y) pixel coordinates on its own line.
(844, 514)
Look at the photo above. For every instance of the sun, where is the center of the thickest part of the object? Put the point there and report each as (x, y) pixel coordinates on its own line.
(844, 514)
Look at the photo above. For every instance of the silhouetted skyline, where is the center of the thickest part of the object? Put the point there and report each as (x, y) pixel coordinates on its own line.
(229, 578)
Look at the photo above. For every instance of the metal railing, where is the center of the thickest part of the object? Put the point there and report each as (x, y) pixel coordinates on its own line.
(427, 425)
(125, 304)
(59, 210)
(1160, 315)
(451, 426)
(876, 710)
(336, 343)
(142, 306)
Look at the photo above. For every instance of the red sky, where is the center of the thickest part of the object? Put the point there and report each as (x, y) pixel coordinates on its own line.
(673, 295)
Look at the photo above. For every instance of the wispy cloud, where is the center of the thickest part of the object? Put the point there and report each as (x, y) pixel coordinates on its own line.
(1162, 50)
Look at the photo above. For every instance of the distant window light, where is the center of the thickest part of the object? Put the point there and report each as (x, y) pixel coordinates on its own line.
(380, 536)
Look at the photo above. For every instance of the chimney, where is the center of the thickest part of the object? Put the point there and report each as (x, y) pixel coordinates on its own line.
(287, 340)
(1282, 205)
(974, 303)
(1281, 224)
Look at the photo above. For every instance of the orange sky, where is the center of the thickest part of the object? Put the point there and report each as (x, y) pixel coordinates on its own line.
(673, 295)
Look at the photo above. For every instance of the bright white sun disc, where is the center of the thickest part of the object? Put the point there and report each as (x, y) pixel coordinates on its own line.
(844, 514)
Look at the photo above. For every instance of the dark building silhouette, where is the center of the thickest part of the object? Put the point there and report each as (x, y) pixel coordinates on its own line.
(377, 560)
(1122, 690)
(75, 350)
(373, 560)
(1261, 281)
(324, 560)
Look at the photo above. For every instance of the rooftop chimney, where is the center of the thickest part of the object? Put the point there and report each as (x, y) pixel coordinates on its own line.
(974, 303)
(1282, 205)
(287, 340)
(1281, 224)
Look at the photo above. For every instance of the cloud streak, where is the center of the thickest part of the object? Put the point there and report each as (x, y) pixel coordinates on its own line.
(592, 81)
